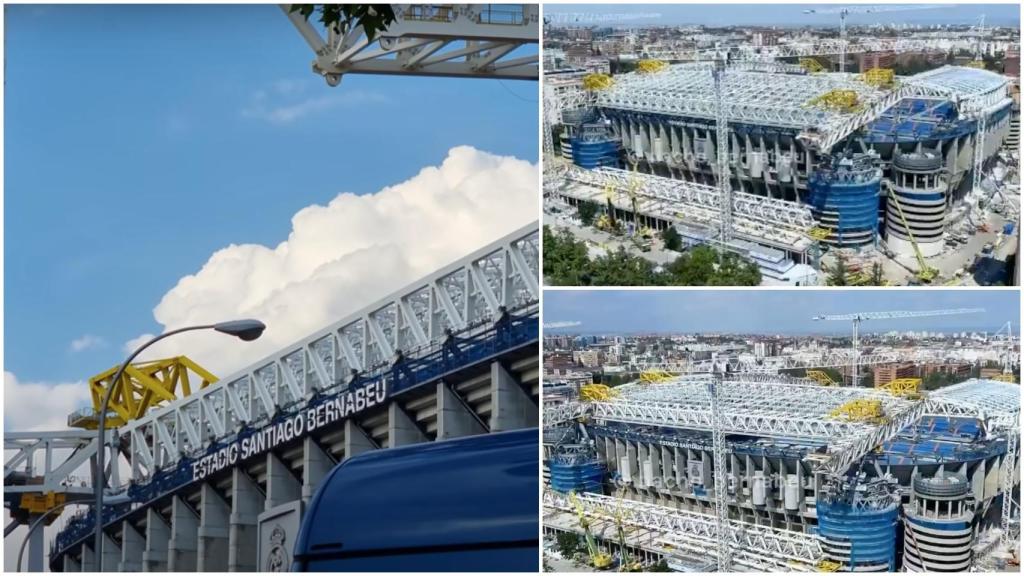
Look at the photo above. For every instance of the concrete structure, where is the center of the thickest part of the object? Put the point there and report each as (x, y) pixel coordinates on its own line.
(889, 372)
(917, 204)
(939, 524)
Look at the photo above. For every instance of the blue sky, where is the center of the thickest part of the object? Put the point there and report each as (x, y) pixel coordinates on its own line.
(775, 14)
(140, 139)
(771, 311)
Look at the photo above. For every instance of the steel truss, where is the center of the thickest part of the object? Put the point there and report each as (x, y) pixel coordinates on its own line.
(762, 409)
(774, 547)
(22, 474)
(456, 40)
(467, 296)
(759, 216)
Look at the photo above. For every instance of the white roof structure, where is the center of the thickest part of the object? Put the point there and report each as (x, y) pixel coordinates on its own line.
(766, 98)
(757, 408)
(976, 90)
(983, 399)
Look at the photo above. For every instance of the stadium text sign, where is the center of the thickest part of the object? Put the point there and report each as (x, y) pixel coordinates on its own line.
(308, 420)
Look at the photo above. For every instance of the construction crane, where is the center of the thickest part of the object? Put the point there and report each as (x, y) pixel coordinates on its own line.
(626, 562)
(858, 317)
(925, 273)
(982, 126)
(847, 10)
(721, 507)
(598, 559)
(561, 324)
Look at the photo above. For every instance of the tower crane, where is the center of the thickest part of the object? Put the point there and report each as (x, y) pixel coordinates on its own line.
(847, 10)
(858, 317)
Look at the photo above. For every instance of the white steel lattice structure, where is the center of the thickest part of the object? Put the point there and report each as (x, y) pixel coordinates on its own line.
(22, 474)
(463, 297)
(756, 216)
(820, 47)
(455, 40)
(769, 410)
(769, 548)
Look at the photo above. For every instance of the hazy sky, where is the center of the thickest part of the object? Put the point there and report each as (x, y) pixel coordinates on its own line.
(771, 312)
(772, 14)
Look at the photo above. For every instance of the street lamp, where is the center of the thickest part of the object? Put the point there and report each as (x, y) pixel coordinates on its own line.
(38, 521)
(246, 330)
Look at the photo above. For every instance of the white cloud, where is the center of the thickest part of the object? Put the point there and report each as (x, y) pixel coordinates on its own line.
(32, 406)
(283, 105)
(343, 256)
(86, 342)
(131, 345)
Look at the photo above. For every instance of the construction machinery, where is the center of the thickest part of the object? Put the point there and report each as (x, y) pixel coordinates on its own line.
(626, 561)
(925, 273)
(860, 411)
(903, 387)
(598, 558)
(847, 10)
(879, 77)
(651, 66)
(859, 317)
(821, 377)
(596, 393)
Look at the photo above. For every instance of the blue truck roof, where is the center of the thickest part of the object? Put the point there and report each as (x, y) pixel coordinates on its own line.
(475, 491)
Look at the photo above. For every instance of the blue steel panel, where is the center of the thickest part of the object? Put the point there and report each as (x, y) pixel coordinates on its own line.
(870, 533)
(577, 477)
(856, 205)
(592, 155)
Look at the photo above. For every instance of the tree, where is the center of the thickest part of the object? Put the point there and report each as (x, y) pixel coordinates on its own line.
(373, 18)
(673, 241)
(568, 544)
(705, 266)
(660, 566)
(838, 275)
(876, 274)
(565, 258)
(587, 211)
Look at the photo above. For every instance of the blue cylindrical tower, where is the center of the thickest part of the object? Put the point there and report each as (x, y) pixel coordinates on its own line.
(844, 200)
(577, 475)
(594, 145)
(860, 538)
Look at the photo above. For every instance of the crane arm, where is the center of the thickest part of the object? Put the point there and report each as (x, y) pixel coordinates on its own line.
(898, 314)
(871, 9)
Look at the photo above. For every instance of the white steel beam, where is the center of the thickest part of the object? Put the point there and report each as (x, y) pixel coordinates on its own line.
(455, 40)
(470, 294)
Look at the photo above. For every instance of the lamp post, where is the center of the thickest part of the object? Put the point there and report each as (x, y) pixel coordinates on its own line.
(246, 330)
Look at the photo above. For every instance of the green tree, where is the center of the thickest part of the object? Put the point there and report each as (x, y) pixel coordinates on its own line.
(373, 18)
(673, 241)
(565, 258)
(568, 544)
(620, 268)
(705, 266)
(659, 566)
(876, 274)
(587, 211)
(838, 275)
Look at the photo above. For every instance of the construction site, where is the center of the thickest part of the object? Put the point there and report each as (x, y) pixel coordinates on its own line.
(771, 153)
(771, 465)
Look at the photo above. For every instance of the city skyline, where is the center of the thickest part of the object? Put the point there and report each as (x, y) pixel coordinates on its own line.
(781, 15)
(769, 313)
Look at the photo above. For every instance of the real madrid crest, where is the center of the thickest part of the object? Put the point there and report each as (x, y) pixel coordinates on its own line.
(277, 558)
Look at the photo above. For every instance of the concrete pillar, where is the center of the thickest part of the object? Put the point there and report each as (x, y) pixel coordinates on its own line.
(246, 505)
(111, 554)
(183, 547)
(315, 465)
(401, 429)
(511, 407)
(356, 440)
(154, 557)
(132, 546)
(454, 419)
(213, 533)
(88, 559)
(282, 487)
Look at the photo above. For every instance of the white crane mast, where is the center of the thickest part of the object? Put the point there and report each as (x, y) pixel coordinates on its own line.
(859, 317)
